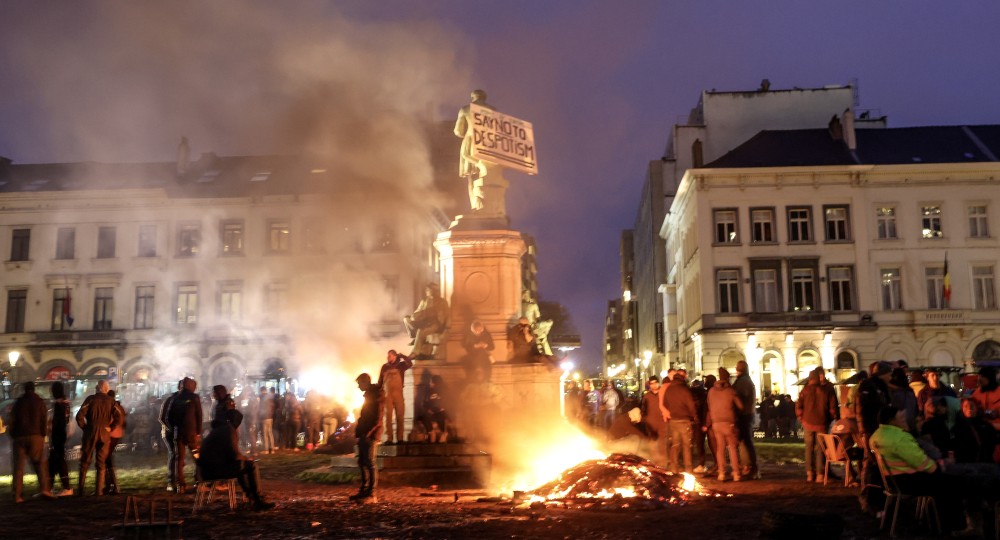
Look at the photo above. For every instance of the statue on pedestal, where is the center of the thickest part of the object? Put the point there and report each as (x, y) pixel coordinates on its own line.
(427, 323)
(486, 181)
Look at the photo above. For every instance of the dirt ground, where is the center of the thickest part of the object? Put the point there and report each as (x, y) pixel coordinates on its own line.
(308, 510)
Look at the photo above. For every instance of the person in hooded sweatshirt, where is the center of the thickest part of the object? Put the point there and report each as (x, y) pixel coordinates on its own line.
(816, 408)
(724, 408)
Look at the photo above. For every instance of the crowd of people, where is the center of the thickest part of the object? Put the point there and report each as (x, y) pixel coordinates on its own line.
(934, 441)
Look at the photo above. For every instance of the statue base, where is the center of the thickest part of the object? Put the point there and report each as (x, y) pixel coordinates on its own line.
(476, 222)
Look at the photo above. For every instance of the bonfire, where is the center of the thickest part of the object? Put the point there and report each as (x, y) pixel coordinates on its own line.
(620, 480)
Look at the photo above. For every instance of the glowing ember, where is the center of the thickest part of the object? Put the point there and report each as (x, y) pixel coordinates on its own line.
(621, 478)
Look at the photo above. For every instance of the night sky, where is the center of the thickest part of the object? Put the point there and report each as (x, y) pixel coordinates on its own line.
(603, 82)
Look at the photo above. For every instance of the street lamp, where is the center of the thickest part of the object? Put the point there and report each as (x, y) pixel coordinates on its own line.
(13, 357)
(638, 374)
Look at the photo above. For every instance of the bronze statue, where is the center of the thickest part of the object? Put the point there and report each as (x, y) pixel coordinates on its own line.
(427, 322)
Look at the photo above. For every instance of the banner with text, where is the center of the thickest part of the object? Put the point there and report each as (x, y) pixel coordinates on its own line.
(503, 139)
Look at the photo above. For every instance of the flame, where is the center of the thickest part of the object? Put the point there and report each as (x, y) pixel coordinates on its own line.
(562, 450)
(690, 484)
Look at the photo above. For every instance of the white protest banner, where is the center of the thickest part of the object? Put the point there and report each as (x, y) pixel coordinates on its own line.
(503, 139)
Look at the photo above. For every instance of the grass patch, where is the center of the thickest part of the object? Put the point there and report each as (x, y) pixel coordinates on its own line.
(780, 452)
(327, 476)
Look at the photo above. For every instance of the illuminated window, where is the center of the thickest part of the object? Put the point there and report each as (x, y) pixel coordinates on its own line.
(930, 221)
(188, 240)
(279, 239)
(838, 227)
(725, 227)
(186, 307)
(803, 289)
(230, 301)
(892, 289)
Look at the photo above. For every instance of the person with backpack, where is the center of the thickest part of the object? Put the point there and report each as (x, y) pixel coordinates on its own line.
(184, 420)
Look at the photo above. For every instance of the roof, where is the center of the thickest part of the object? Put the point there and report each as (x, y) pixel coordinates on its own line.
(887, 146)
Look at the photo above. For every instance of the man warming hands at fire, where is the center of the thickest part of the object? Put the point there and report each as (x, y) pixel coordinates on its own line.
(368, 430)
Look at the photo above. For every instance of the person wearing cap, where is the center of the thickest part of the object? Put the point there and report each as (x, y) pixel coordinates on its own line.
(368, 430)
(935, 388)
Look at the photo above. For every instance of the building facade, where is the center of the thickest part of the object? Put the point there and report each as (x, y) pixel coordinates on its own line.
(838, 247)
(718, 123)
(224, 269)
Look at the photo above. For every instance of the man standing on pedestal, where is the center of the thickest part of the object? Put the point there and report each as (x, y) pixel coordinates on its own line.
(390, 380)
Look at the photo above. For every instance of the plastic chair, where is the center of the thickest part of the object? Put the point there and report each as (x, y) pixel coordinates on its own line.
(835, 452)
(894, 498)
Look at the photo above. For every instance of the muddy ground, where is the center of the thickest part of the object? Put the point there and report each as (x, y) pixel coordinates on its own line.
(308, 510)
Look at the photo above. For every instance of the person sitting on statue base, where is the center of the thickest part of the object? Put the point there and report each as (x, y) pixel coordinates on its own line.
(429, 319)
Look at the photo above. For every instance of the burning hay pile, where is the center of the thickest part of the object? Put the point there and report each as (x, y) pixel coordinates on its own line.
(620, 481)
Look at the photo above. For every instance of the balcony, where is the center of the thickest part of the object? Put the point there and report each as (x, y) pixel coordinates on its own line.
(82, 337)
(936, 317)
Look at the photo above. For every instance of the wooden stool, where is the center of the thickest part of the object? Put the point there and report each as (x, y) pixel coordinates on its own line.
(131, 520)
(205, 488)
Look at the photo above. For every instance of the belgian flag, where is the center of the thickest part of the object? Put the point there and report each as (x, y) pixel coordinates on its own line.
(946, 285)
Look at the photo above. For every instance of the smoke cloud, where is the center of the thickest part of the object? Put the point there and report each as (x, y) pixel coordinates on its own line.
(123, 81)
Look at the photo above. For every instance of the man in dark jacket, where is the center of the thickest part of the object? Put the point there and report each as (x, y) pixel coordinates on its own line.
(27, 432)
(747, 392)
(97, 417)
(167, 434)
(220, 458)
(873, 396)
(368, 430)
(184, 419)
(57, 439)
(683, 413)
(816, 408)
(656, 421)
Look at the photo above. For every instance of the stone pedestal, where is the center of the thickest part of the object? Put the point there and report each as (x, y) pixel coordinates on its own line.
(481, 279)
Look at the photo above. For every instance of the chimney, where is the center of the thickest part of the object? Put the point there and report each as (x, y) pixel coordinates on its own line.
(848, 123)
(183, 156)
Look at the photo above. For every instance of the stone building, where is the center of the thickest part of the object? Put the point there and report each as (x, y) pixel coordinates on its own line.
(833, 247)
(718, 123)
(224, 268)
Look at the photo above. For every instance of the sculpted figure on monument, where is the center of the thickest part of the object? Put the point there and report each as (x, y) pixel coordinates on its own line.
(427, 323)
(539, 328)
(469, 167)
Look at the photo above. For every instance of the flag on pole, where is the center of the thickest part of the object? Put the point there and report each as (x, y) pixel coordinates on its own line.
(946, 285)
(67, 307)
